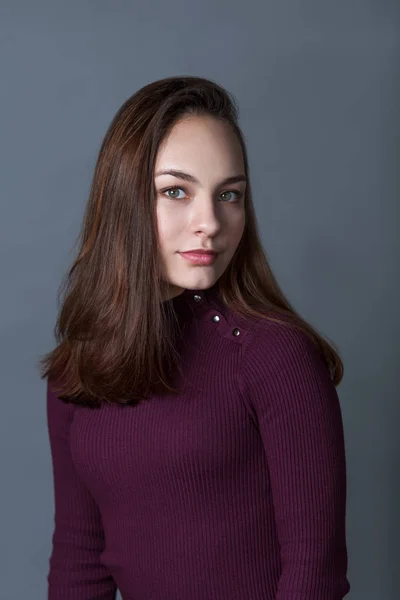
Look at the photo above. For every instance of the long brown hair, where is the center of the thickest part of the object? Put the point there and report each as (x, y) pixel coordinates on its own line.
(115, 339)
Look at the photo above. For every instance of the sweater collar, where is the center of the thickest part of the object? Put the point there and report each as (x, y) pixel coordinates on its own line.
(196, 301)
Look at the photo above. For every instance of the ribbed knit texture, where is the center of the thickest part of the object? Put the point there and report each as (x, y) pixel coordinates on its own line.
(234, 490)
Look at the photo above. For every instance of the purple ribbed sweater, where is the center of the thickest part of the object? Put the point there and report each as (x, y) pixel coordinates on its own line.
(235, 490)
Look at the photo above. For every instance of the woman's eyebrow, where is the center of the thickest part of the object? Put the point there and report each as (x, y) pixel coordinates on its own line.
(192, 179)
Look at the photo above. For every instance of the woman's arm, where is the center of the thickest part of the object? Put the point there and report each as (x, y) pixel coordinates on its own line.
(75, 571)
(290, 393)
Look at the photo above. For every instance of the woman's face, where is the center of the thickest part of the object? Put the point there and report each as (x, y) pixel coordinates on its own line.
(199, 210)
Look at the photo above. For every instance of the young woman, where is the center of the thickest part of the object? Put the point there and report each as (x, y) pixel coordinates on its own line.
(195, 428)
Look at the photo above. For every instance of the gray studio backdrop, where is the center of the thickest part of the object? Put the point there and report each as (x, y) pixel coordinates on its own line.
(318, 90)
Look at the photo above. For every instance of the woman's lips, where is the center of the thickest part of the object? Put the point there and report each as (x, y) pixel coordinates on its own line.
(198, 258)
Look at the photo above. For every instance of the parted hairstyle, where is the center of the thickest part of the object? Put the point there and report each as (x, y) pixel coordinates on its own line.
(115, 336)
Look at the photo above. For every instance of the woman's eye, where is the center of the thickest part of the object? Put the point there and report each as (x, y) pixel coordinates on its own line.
(238, 194)
(174, 190)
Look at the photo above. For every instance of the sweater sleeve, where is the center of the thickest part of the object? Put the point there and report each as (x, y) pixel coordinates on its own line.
(296, 408)
(75, 570)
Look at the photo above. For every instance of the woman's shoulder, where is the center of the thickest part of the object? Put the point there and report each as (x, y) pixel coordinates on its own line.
(278, 341)
(59, 412)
